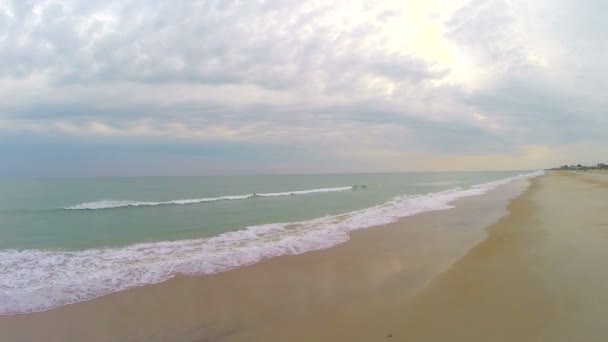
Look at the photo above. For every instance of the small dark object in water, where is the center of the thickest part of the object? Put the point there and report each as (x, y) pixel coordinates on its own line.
(389, 335)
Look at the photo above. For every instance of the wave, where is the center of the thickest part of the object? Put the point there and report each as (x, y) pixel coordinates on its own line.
(39, 280)
(111, 204)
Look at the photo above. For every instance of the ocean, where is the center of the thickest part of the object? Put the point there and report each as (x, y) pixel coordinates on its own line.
(64, 241)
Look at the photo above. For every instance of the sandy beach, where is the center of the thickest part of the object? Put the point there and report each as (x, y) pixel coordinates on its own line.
(525, 262)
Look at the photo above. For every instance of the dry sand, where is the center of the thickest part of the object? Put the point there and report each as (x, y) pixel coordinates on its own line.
(539, 274)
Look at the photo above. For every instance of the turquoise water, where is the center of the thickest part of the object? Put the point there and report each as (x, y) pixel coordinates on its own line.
(32, 214)
(67, 240)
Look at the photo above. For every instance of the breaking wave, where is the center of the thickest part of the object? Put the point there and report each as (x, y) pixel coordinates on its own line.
(111, 204)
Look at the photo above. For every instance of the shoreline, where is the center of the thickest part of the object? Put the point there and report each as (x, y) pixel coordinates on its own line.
(110, 270)
(399, 258)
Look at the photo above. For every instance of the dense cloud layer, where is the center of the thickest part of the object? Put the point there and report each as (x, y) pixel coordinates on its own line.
(290, 86)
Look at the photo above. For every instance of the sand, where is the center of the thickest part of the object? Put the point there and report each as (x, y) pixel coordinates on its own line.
(540, 276)
(532, 271)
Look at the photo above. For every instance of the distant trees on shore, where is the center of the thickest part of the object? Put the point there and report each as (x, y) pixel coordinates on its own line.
(599, 166)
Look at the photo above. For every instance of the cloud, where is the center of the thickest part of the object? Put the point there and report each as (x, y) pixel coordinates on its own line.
(345, 85)
(272, 44)
(536, 84)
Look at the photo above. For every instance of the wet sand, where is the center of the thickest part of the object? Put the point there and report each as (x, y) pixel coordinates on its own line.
(532, 271)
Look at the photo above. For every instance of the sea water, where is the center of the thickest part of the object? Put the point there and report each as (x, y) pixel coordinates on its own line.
(68, 240)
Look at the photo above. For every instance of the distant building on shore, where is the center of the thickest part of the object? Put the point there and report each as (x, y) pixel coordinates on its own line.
(599, 166)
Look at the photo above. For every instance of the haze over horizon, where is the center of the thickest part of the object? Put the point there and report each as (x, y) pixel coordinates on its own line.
(128, 88)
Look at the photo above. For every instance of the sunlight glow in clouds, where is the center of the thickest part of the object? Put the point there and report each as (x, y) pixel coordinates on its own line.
(352, 85)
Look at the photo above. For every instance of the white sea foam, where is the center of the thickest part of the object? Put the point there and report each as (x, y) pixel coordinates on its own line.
(38, 280)
(110, 204)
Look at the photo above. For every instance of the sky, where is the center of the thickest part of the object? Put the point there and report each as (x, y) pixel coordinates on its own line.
(129, 88)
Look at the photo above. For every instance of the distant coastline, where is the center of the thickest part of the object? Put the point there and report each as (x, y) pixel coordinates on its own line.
(580, 167)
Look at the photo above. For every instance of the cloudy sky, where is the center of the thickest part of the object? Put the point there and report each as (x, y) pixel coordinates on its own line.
(278, 86)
